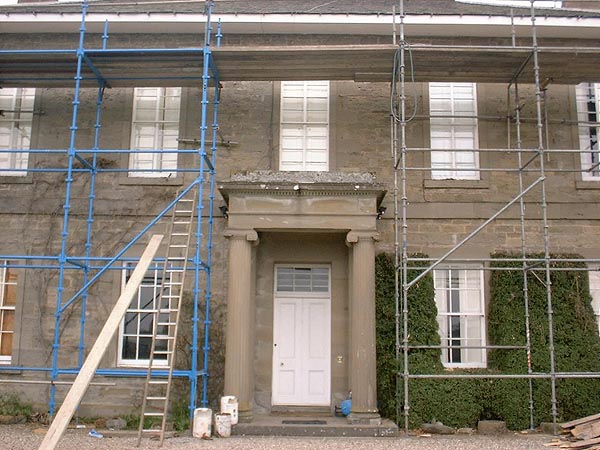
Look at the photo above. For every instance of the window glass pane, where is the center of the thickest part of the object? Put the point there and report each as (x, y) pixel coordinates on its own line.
(291, 115)
(144, 344)
(473, 329)
(8, 319)
(10, 289)
(145, 115)
(6, 344)
(129, 348)
(146, 323)
(130, 323)
(302, 279)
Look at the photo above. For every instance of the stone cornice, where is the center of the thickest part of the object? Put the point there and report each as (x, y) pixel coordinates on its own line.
(302, 189)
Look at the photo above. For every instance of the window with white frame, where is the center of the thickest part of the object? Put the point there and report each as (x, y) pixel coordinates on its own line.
(461, 316)
(588, 95)
(16, 116)
(8, 300)
(453, 131)
(594, 277)
(291, 279)
(304, 127)
(137, 327)
(155, 130)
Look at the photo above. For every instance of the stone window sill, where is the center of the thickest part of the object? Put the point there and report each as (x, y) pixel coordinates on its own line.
(11, 179)
(456, 184)
(587, 184)
(150, 181)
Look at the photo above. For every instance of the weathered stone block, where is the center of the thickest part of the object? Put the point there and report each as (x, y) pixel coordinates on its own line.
(116, 424)
(491, 427)
(550, 428)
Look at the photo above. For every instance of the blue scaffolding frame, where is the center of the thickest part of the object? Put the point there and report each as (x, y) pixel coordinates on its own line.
(86, 161)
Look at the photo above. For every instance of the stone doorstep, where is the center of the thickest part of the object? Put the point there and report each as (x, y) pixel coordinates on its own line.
(334, 427)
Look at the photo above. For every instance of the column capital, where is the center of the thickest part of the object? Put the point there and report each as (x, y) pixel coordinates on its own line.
(249, 235)
(354, 236)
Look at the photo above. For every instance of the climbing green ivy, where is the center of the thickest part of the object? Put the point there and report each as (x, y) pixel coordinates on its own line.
(576, 341)
(462, 402)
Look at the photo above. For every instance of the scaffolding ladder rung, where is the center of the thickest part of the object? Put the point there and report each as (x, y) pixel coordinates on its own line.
(156, 399)
(153, 414)
(159, 382)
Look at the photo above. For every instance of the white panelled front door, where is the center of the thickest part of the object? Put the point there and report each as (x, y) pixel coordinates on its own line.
(302, 343)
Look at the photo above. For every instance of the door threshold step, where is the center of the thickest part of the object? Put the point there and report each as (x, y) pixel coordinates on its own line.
(299, 426)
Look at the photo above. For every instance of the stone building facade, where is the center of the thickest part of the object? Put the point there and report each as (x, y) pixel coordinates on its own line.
(293, 257)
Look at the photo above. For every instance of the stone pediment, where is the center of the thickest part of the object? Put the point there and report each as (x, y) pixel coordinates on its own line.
(302, 200)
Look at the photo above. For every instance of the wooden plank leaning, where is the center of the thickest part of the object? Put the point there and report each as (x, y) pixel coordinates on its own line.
(587, 430)
(83, 379)
(576, 422)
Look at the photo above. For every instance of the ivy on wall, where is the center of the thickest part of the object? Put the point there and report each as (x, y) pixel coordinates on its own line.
(576, 340)
(462, 402)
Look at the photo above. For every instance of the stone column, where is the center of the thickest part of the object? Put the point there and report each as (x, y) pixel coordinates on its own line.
(362, 328)
(239, 339)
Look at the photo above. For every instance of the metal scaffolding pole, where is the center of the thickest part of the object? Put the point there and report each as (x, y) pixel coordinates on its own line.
(398, 117)
(85, 161)
(62, 259)
(544, 207)
(529, 161)
(204, 162)
(90, 223)
(525, 265)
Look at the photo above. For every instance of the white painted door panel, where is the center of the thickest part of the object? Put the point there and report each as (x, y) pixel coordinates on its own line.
(301, 351)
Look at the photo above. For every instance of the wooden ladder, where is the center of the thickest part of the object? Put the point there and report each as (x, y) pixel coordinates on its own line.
(166, 319)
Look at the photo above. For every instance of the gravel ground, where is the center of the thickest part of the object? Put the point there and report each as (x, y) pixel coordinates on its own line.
(26, 437)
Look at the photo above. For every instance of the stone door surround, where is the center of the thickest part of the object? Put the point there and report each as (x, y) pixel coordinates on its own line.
(303, 202)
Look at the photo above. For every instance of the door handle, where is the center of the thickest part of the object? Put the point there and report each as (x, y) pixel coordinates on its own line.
(281, 364)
